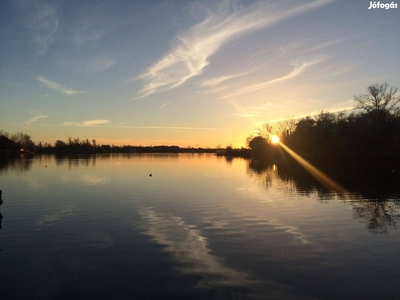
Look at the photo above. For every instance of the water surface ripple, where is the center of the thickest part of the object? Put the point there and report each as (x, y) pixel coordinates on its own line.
(201, 227)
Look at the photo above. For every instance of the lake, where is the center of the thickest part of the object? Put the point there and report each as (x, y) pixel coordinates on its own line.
(201, 227)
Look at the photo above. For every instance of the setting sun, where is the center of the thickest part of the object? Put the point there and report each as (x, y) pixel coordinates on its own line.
(275, 139)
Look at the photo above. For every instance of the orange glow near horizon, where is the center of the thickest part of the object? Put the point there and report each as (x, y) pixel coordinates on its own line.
(319, 175)
(182, 143)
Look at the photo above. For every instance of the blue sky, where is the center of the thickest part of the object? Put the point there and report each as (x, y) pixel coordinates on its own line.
(187, 73)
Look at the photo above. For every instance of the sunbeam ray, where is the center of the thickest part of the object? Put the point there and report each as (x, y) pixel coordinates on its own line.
(318, 174)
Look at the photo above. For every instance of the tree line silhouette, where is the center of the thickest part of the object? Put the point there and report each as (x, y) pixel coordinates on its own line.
(371, 130)
(22, 142)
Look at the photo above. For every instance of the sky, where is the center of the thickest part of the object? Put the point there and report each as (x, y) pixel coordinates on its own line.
(203, 73)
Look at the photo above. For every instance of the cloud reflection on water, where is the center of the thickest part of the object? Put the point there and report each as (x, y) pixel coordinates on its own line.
(190, 249)
(86, 179)
(94, 180)
(54, 216)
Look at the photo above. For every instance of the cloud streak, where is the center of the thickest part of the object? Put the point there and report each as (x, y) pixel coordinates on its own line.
(193, 48)
(217, 80)
(298, 68)
(100, 64)
(88, 123)
(101, 122)
(36, 116)
(169, 127)
(165, 104)
(42, 21)
(58, 87)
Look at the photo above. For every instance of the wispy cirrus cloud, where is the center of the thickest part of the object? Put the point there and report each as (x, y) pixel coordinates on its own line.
(193, 48)
(217, 80)
(100, 64)
(252, 112)
(172, 127)
(94, 23)
(145, 127)
(346, 106)
(165, 104)
(104, 124)
(36, 116)
(86, 123)
(298, 68)
(58, 87)
(342, 106)
(322, 45)
(42, 21)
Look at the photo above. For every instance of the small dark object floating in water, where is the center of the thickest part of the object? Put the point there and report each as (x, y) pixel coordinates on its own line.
(151, 174)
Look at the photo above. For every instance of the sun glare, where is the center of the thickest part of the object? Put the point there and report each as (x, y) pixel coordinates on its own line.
(275, 139)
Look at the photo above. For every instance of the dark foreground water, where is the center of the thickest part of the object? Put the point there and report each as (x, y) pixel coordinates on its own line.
(201, 227)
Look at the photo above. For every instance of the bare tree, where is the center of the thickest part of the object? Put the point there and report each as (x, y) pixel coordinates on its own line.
(286, 127)
(380, 101)
(266, 131)
(23, 140)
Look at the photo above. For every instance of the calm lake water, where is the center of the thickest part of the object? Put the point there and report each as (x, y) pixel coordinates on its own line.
(201, 227)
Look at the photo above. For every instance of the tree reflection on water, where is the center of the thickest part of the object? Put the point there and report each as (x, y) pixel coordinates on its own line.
(15, 163)
(372, 188)
(1, 202)
(381, 215)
